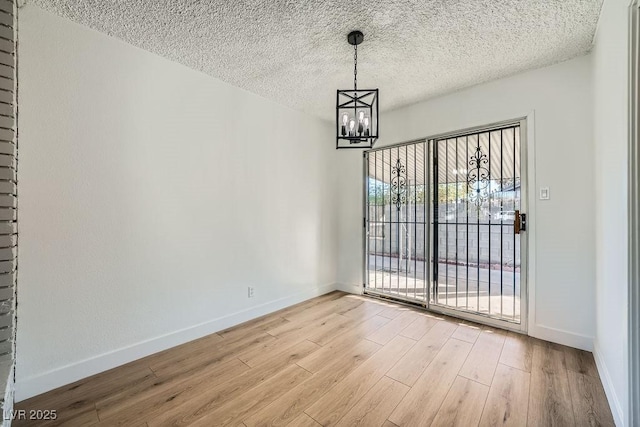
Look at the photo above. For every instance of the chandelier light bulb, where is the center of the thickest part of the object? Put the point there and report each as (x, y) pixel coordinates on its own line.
(343, 129)
(366, 126)
(352, 125)
(360, 123)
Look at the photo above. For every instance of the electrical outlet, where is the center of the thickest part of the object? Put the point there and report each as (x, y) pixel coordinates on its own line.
(250, 292)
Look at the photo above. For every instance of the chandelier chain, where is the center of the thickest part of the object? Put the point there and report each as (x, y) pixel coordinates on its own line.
(355, 67)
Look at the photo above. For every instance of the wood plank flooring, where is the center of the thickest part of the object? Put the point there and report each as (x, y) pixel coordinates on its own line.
(342, 360)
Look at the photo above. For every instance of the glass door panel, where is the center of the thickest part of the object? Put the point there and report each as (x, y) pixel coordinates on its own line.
(476, 221)
(395, 221)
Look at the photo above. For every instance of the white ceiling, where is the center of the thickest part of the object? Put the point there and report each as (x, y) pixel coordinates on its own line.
(296, 53)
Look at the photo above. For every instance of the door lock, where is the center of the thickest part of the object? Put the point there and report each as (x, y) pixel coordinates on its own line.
(519, 222)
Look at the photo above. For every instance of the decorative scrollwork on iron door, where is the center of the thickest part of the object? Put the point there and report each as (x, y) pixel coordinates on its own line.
(399, 184)
(478, 178)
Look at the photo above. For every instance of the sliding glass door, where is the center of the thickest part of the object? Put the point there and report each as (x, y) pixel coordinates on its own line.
(395, 219)
(445, 225)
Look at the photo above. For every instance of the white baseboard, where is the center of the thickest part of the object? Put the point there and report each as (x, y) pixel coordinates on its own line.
(59, 377)
(560, 336)
(607, 383)
(351, 289)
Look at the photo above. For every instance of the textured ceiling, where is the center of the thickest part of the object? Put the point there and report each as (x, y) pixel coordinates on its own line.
(295, 52)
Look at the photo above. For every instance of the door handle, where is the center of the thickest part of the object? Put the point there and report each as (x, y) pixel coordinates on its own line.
(519, 222)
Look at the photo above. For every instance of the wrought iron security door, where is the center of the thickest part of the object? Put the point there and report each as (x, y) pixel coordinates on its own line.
(476, 223)
(444, 224)
(396, 246)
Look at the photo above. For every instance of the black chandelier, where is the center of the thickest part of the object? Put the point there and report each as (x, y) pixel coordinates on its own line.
(356, 109)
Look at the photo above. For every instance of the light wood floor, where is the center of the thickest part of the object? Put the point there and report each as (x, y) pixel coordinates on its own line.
(343, 360)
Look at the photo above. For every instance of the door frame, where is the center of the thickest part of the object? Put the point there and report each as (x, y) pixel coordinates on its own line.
(527, 242)
(634, 213)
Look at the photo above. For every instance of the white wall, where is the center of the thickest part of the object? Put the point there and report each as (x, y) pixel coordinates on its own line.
(151, 196)
(611, 97)
(562, 288)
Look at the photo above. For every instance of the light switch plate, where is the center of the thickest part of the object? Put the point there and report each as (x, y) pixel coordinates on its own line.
(544, 193)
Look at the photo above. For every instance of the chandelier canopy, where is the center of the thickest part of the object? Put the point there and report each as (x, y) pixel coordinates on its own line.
(356, 109)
